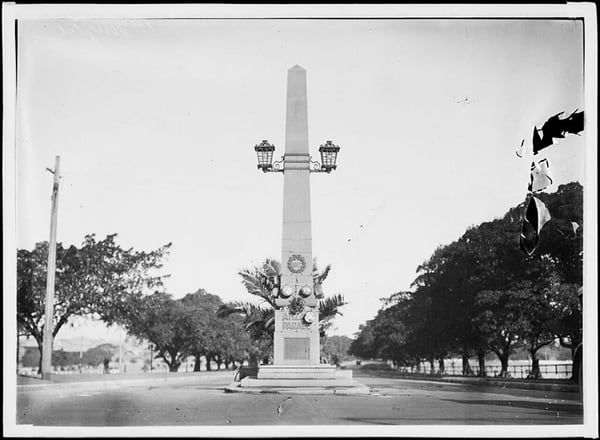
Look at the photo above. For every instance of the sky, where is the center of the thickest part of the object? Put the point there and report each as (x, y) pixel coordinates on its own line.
(155, 123)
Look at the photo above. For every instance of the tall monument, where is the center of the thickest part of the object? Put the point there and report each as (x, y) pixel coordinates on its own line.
(296, 338)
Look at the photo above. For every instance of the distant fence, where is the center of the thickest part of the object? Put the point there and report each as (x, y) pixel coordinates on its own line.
(518, 369)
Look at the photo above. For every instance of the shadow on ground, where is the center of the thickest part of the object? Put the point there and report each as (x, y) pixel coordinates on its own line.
(571, 408)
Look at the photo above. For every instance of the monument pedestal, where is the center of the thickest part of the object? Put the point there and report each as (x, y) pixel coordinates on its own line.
(301, 379)
(322, 371)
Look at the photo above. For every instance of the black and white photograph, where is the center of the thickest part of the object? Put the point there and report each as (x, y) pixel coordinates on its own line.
(295, 220)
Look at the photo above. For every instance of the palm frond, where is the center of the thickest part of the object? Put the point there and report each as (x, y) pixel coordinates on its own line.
(228, 309)
(261, 321)
(319, 277)
(255, 282)
(329, 307)
(269, 323)
(247, 309)
(261, 281)
(271, 267)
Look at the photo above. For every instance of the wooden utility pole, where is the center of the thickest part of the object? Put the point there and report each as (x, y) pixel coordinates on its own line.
(50, 281)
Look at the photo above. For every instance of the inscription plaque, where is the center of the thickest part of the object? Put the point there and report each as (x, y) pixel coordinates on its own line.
(296, 349)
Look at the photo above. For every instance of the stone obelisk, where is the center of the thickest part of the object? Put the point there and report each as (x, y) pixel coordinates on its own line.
(296, 350)
(296, 341)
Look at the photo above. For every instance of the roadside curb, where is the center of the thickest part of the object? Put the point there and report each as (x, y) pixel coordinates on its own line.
(490, 382)
(109, 384)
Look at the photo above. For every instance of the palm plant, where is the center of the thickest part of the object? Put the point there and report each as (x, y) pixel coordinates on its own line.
(260, 281)
(328, 309)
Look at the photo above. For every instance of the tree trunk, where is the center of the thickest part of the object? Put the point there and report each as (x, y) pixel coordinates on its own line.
(432, 364)
(481, 360)
(40, 347)
(504, 369)
(503, 356)
(466, 368)
(577, 367)
(197, 363)
(442, 367)
(173, 363)
(535, 367)
(208, 358)
(41, 350)
(535, 364)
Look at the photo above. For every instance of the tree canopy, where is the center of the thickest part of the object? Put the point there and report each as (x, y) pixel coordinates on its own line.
(481, 293)
(93, 279)
(188, 326)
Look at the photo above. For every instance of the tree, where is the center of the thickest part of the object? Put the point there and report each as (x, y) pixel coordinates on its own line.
(31, 357)
(482, 293)
(91, 280)
(501, 320)
(561, 242)
(363, 345)
(569, 322)
(96, 355)
(561, 239)
(62, 359)
(178, 328)
(543, 312)
(161, 320)
(392, 337)
(210, 336)
(390, 334)
(235, 345)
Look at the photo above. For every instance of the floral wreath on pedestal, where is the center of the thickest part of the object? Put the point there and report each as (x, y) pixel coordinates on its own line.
(296, 305)
(296, 263)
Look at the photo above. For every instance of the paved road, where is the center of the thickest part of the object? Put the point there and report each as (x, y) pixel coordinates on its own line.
(203, 402)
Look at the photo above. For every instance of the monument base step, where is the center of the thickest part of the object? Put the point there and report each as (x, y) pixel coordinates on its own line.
(342, 387)
(249, 382)
(304, 372)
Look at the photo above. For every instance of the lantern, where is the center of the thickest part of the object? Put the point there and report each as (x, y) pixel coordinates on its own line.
(329, 153)
(264, 153)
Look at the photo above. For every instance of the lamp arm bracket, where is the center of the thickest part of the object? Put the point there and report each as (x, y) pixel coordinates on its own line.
(315, 166)
(278, 165)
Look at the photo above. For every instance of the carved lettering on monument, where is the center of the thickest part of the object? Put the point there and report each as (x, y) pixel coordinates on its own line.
(293, 322)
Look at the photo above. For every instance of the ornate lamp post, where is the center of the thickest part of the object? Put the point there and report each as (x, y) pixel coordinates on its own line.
(265, 150)
(296, 338)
